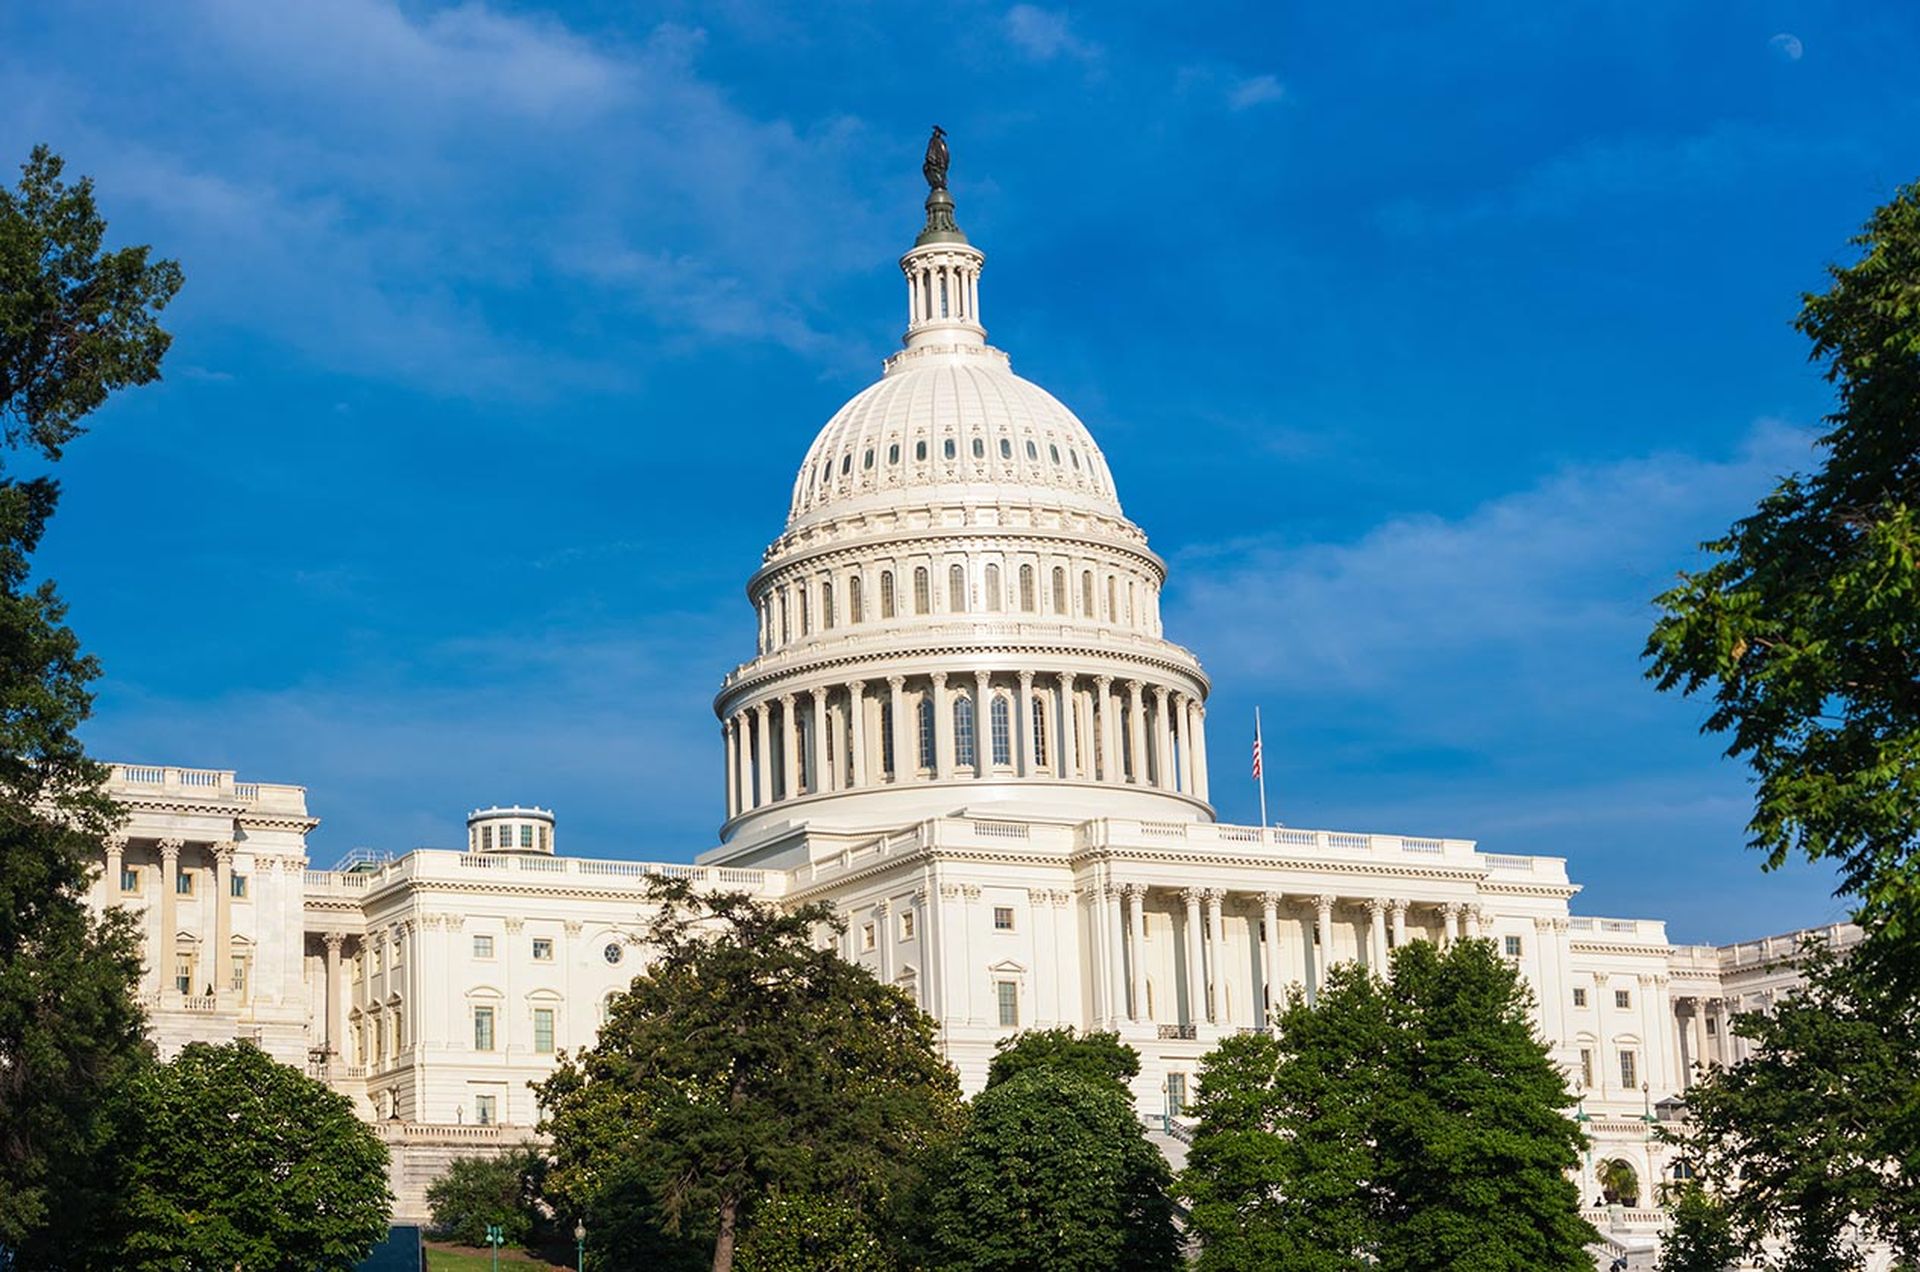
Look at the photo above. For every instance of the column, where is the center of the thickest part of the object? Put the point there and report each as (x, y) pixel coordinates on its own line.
(1136, 733)
(1068, 727)
(1196, 993)
(1323, 924)
(335, 1014)
(789, 748)
(1451, 910)
(821, 778)
(1216, 992)
(220, 973)
(1162, 741)
(1377, 935)
(1117, 964)
(942, 729)
(733, 767)
(1136, 896)
(904, 761)
(116, 862)
(763, 746)
(742, 763)
(169, 920)
(982, 726)
(1201, 784)
(1109, 754)
(1183, 740)
(1474, 916)
(1023, 713)
(1697, 1031)
(1602, 1039)
(1270, 956)
(857, 717)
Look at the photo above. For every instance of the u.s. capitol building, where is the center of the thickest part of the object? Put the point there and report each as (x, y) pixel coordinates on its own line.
(963, 725)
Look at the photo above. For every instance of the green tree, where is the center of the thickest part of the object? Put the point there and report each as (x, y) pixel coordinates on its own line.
(1407, 1124)
(77, 322)
(1281, 1170)
(1054, 1170)
(812, 1234)
(745, 1061)
(1813, 1137)
(1095, 1055)
(1805, 624)
(1701, 1238)
(246, 1162)
(477, 1193)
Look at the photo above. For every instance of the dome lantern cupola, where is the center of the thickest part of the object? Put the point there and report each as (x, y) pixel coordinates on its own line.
(942, 269)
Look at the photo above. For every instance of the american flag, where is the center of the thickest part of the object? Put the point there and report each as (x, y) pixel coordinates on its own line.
(1256, 752)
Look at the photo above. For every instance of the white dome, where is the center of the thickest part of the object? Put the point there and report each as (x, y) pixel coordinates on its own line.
(952, 416)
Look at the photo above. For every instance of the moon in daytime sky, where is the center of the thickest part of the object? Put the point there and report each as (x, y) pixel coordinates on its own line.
(1788, 46)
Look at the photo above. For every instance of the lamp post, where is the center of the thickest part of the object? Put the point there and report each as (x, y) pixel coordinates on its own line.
(495, 1238)
(580, 1246)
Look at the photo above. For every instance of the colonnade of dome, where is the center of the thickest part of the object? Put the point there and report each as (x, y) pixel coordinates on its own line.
(958, 612)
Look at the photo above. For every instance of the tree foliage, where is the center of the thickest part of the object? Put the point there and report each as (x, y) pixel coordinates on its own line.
(1406, 1124)
(76, 323)
(246, 1162)
(1094, 1055)
(1054, 1170)
(477, 1193)
(1701, 1238)
(743, 1062)
(1805, 624)
(813, 1234)
(1815, 1137)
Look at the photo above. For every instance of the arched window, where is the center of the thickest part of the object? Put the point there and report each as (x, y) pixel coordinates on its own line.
(1113, 608)
(950, 449)
(786, 630)
(956, 589)
(963, 733)
(1039, 730)
(1126, 741)
(992, 587)
(886, 594)
(886, 738)
(1002, 731)
(1006, 449)
(855, 609)
(922, 600)
(926, 733)
(1129, 600)
(1026, 589)
(826, 604)
(806, 611)
(1059, 590)
(1086, 593)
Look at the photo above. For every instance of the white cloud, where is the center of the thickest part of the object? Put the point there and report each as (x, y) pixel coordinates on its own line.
(1255, 90)
(1044, 34)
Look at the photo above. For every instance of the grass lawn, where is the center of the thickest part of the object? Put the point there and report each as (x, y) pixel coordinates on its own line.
(448, 1258)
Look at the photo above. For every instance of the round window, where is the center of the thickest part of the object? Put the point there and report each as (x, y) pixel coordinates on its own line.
(614, 952)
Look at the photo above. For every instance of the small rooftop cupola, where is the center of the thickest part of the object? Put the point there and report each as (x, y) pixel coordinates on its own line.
(943, 269)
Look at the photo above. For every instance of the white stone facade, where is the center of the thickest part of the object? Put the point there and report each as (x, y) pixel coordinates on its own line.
(963, 727)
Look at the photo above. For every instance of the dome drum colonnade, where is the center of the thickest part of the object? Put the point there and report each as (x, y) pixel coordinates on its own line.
(957, 599)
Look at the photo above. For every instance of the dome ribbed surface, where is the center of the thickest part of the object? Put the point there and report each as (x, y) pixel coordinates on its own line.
(954, 423)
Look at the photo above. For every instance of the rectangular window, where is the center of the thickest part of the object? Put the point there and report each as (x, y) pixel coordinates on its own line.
(483, 947)
(906, 925)
(1177, 1092)
(1009, 996)
(1579, 998)
(1513, 947)
(1623, 998)
(129, 879)
(526, 835)
(483, 1110)
(237, 885)
(183, 883)
(1629, 1077)
(1003, 918)
(542, 949)
(486, 839)
(866, 936)
(183, 974)
(1586, 1067)
(1713, 1026)
(543, 1030)
(483, 1029)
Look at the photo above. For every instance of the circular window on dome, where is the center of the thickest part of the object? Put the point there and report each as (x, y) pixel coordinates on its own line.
(1055, 452)
(1006, 449)
(920, 450)
(979, 448)
(868, 461)
(949, 449)
(1033, 452)
(614, 952)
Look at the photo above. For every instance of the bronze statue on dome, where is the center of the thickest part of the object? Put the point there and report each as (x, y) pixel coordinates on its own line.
(935, 166)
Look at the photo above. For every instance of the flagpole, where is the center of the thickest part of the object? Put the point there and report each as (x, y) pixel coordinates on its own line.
(1260, 767)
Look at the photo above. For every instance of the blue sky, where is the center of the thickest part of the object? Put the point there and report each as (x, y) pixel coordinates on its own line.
(1424, 344)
